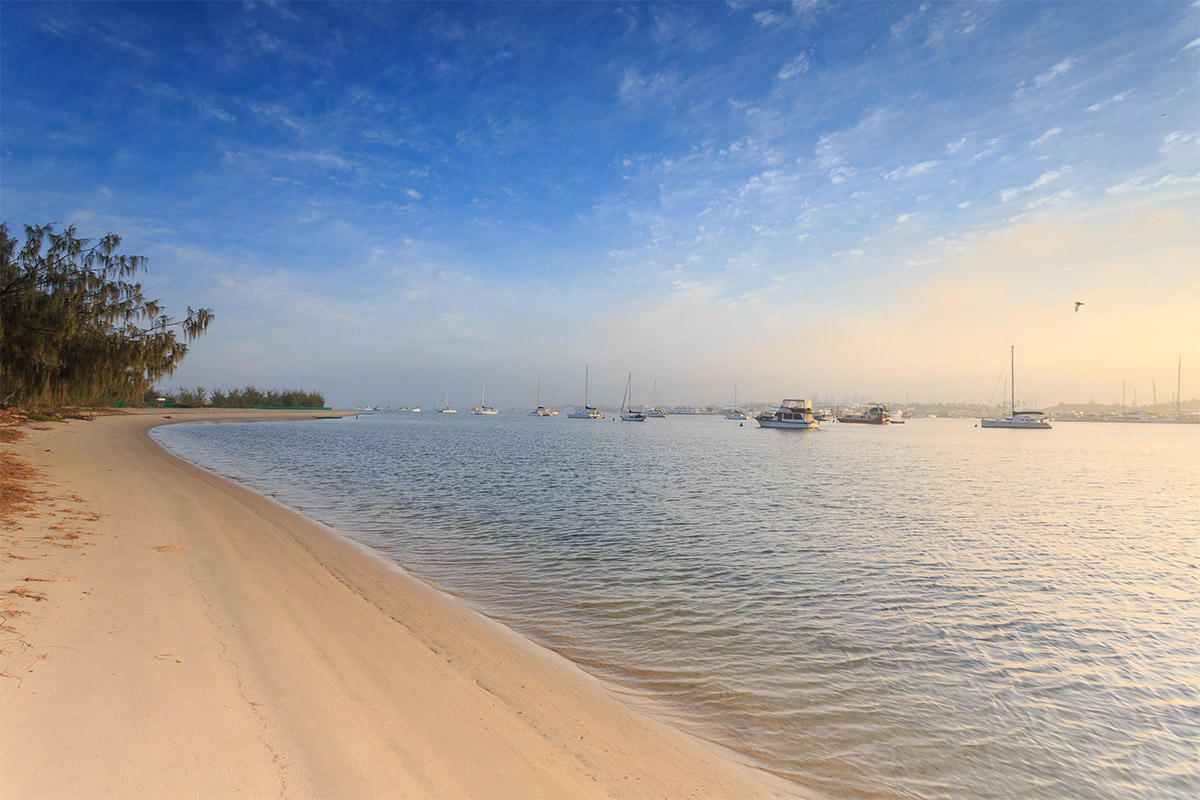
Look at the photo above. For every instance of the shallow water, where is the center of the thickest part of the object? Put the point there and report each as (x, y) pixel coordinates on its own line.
(930, 610)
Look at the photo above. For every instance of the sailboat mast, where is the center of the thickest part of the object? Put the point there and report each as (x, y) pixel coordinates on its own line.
(1012, 367)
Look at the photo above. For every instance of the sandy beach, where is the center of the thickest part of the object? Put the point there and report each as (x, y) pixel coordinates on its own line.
(170, 634)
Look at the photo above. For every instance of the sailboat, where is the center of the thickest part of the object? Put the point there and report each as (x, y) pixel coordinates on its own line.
(1179, 415)
(628, 414)
(446, 409)
(541, 410)
(1031, 420)
(655, 410)
(734, 411)
(588, 412)
(483, 407)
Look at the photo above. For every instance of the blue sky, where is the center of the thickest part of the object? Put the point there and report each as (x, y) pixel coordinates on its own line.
(388, 201)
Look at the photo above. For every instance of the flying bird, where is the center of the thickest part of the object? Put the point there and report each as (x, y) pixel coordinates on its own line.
(1077, 305)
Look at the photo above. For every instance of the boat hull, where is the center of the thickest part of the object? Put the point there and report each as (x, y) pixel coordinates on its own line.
(1016, 424)
(788, 424)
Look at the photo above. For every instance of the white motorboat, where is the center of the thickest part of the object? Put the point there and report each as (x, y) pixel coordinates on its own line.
(792, 414)
(877, 414)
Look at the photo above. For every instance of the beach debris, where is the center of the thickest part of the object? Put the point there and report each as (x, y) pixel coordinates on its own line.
(25, 591)
(170, 548)
(15, 492)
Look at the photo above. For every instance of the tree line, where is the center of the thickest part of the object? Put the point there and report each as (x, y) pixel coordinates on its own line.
(249, 397)
(75, 329)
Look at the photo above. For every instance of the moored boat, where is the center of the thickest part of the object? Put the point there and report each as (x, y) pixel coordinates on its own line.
(588, 412)
(1017, 420)
(655, 410)
(483, 408)
(876, 414)
(541, 410)
(630, 414)
(732, 411)
(792, 413)
(1034, 420)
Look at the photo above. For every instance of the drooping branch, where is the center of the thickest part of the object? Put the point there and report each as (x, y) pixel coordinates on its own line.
(74, 328)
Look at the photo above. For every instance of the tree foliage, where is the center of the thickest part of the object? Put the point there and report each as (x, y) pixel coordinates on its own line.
(75, 328)
(253, 397)
(249, 397)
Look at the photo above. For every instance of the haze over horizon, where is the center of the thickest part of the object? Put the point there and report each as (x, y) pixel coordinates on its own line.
(386, 202)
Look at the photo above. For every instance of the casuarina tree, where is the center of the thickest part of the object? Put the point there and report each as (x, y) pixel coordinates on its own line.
(75, 328)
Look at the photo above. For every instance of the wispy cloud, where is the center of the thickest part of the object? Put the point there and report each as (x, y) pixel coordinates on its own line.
(1042, 180)
(797, 66)
(1054, 73)
(280, 114)
(637, 88)
(1116, 98)
(770, 18)
(901, 27)
(1143, 183)
(1176, 138)
(1050, 134)
(911, 171)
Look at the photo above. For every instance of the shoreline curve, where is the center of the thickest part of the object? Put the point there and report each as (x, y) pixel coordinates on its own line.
(202, 639)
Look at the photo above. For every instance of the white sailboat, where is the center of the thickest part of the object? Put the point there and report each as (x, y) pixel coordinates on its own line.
(446, 409)
(483, 407)
(541, 410)
(588, 412)
(734, 411)
(1028, 420)
(628, 414)
(655, 410)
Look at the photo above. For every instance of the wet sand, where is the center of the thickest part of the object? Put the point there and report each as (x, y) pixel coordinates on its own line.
(171, 634)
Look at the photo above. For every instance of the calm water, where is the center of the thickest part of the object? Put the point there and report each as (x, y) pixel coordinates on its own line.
(930, 610)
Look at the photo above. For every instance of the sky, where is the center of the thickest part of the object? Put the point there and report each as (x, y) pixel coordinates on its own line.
(392, 203)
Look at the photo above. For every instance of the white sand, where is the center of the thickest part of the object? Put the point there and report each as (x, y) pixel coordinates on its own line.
(198, 640)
